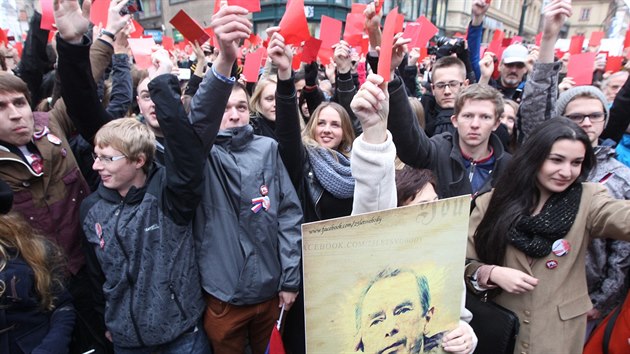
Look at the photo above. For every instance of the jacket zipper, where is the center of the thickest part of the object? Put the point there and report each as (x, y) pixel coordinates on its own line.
(176, 299)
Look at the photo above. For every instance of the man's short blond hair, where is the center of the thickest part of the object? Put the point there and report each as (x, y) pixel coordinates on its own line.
(130, 137)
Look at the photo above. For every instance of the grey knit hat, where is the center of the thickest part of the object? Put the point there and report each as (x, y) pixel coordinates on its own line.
(570, 94)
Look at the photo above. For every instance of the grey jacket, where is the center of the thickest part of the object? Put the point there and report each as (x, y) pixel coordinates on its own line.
(607, 261)
(143, 242)
(247, 257)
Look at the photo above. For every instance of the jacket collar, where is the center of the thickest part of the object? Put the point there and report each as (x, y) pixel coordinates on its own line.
(235, 138)
(134, 195)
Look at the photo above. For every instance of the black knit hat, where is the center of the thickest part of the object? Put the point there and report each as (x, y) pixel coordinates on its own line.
(6, 197)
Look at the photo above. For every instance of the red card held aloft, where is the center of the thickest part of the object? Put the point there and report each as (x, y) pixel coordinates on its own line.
(353, 34)
(576, 45)
(516, 39)
(168, 43)
(293, 25)
(252, 65)
(538, 39)
(20, 48)
(311, 48)
(427, 31)
(358, 8)
(412, 31)
(297, 60)
(48, 18)
(496, 43)
(189, 28)
(580, 68)
(626, 42)
(329, 31)
(142, 48)
(596, 38)
(138, 29)
(4, 39)
(614, 63)
(249, 5)
(387, 44)
(99, 12)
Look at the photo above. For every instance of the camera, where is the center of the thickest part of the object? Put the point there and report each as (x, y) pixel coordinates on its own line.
(131, 7)
(447, 46)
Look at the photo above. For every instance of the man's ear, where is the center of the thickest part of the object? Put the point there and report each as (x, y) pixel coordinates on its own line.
(454, 120)
(466, 82)
(142, 159)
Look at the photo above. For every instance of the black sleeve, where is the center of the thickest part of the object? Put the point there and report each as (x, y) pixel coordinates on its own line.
(34, 63)
(193, 85)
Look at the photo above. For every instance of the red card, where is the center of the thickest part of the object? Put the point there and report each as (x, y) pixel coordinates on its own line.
(168, 43)
(51, 35)
(427, 31)
(254, 39)
(358, 8)
(506, 42)
(596, 38)
(580, 68)
(252, 65)
(329, 33)
(516, 39)
(297, 61)
(19, 47)
(311, 48)
(614, 63)
(387, 43)
(576, 45)
(99, 12)
(626, 42)
(353, 33)
(250, 5)
(379, 6)
(189, 28)
(142, 48)
(496, 43)
(138, 29)
(48, 17)
(538, 39)
(412, 31)
(4, 39)
(365, 44)
(293, 25)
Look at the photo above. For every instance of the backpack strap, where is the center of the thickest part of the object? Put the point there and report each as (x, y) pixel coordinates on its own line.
(609, 328)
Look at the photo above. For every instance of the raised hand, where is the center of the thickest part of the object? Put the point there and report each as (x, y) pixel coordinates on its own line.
(342, 57)
(555, 14)
(478, 11)
(486, 67)
(371, 106)
(72, 21)
(230, 25)
(373, 23)
(280, 53)
(115, 21)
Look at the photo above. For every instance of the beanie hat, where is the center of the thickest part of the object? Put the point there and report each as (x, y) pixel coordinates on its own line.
(570, 94)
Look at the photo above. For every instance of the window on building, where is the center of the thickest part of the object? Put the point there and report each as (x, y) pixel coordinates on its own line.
(151, 8)
(585, 14)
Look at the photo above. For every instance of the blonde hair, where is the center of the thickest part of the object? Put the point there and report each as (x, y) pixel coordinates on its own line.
(417, 108)
(130, 137)
(17, 238)
(254, 101)
(308, 134)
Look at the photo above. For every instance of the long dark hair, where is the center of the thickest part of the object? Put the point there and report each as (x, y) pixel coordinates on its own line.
(516, 192)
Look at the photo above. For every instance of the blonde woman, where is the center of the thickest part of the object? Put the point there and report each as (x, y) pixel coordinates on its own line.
(263, 105)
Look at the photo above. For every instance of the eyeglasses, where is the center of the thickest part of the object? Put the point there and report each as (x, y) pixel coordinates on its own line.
(107, 159)
(451, 84)
(596, 117)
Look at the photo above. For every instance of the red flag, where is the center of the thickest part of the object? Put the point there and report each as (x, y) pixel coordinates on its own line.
(275, 342)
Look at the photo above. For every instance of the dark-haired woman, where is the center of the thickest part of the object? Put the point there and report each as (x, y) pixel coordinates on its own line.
(528, 238)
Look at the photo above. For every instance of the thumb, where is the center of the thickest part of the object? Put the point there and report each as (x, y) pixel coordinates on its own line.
(86, 8)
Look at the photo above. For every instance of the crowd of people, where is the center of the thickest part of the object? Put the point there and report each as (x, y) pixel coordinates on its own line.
(140, 213)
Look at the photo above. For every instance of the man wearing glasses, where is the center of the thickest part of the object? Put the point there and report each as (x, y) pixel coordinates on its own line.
(607, 261)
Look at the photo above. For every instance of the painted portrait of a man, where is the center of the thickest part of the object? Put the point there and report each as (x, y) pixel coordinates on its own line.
(392, 314)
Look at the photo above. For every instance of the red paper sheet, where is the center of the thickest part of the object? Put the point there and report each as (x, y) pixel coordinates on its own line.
(495, 45)
(297, 61)
(99, 12)
(626, 42)
(596, 38)
(51, 35)
(358, 8)
(614, 63)
(412, 31)
(293, 25)
(576, 45)
(580, 68)
(138, 29)
(311, 48)
(329, 33)
(168, 43)
(48, 17)
(379, 6)
(400, 21)
(516, 40)
(252, 65)
(250, 5)
(427, 31)
(4, 39)
(387, 43)
(353, 33)
(506, 42)
(142, 48)
(255, 40)
(538, 39)
(189, 28)
(19, 47)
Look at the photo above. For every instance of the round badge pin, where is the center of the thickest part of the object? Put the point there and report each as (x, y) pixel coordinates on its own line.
(53, 139)
(561, 247)
(551, 264)
(264, 190)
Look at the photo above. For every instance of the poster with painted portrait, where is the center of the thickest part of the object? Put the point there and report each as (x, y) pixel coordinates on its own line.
(385, 282)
